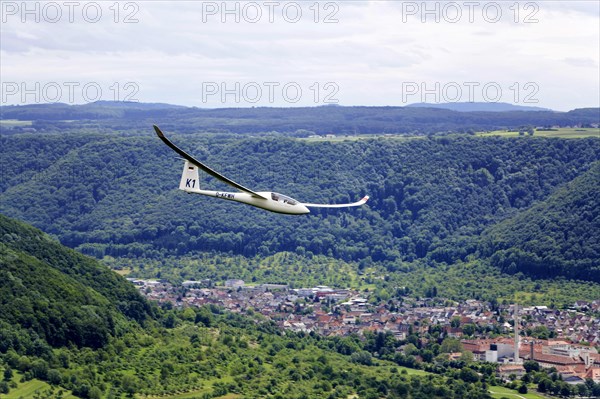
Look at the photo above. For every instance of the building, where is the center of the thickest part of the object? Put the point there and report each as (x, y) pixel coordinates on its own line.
(504, 371)
(196, 283)
(234, 283)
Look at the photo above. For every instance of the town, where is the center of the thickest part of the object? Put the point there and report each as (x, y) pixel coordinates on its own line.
(565, 340)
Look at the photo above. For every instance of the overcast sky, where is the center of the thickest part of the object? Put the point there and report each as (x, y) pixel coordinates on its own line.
(303, 53)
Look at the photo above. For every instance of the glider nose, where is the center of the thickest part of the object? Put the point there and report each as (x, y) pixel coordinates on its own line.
(303, 210)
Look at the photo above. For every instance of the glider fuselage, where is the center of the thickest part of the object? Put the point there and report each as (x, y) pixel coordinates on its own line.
(274, 202)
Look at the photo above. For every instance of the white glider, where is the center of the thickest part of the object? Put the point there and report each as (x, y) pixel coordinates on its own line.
(274, 202)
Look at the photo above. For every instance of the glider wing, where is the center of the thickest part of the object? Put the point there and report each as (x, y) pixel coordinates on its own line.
(358, 203)
(203, 167)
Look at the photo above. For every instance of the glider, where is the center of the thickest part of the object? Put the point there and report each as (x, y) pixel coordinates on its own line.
(274, 202)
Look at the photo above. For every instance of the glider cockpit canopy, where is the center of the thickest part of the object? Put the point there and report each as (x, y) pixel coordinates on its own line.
(283, 198)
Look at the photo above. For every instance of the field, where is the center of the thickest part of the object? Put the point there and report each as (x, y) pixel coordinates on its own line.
(567, 133)
(13, 123)
(342, 138)
(501, 392)
(563, 132)
(195, 394)
(208, 387)
(30, 388)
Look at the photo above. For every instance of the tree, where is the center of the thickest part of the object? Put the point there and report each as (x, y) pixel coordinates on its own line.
(427, 355)
(129, 384)
(54, 377)
(469, 329)
(204, 316)
(188, 314)
(468, 375)
(40, 369)
(596, 390)
(451, 345)
(565, 390)
(24, 364)
(170, 320)
(362, 357)
(8, 374)
(4, 387)
(582, 390)
(531, 365)
(95, 393)
(544, 385)
(530, 130)
(411, 350)
(523, 389)
(466, 356)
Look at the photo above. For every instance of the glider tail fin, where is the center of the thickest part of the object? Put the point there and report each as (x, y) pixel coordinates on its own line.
(190, 179)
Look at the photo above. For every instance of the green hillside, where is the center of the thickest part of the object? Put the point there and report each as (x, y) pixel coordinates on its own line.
(430, 198)
(57, 293)
(56, 307)
(558, 236)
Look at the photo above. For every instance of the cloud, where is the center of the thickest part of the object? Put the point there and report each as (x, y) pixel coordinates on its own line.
(370, 49)
(582, 62)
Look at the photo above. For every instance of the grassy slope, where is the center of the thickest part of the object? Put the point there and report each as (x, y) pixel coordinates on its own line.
(501, 392)
(29, 388)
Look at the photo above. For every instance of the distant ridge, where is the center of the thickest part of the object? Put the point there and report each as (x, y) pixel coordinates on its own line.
(132, 105)
(480, 107)
(299, 121)
(98, 104)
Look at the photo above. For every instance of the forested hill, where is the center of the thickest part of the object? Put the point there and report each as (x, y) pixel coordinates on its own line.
(301, 121)
(55, 293)
(430, 198)
(559, 236)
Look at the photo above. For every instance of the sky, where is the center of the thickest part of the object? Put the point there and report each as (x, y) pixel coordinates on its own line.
(214, 54)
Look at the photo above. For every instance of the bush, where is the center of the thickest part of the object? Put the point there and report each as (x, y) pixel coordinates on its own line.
(523, 389)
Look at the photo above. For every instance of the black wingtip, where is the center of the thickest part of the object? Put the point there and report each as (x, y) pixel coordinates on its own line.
(158, 131)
